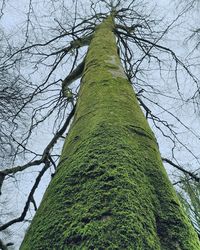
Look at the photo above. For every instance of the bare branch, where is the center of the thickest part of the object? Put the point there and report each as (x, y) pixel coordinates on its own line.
(30, 198)
(45, 154)
(192, 175)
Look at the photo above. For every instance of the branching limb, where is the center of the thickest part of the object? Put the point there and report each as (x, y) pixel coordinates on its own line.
(45, 154)
(148, 111)
(73, 76)
(76, 44)
(192, 175)
(32, 200)
(58, 134)
(29, 200)
(128, 29)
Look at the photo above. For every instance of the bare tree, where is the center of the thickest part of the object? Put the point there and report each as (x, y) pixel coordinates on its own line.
(190, 199)
(47, 52)
(192, 14)
(13, 94)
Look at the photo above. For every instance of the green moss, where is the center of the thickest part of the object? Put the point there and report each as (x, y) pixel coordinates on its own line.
(110, 190)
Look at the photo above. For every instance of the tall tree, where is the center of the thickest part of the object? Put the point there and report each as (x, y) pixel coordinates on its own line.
(110, 190)
(49, 44)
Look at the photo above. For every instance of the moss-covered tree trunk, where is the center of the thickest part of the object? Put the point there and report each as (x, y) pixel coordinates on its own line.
(110, 190)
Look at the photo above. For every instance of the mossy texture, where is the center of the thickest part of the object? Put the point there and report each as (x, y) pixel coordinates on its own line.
(110, 190)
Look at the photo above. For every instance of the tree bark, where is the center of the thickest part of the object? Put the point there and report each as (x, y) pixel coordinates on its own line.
(110, 190)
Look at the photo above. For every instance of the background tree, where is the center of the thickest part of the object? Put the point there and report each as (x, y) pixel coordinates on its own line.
(189, 190)
(192, 8)
(39, 53)
(13, 94)
(190, 199)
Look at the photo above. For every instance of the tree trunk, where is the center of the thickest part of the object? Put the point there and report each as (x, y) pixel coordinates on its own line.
(110, 190)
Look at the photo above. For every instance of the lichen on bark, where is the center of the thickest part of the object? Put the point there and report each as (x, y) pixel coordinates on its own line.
(110, 190)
